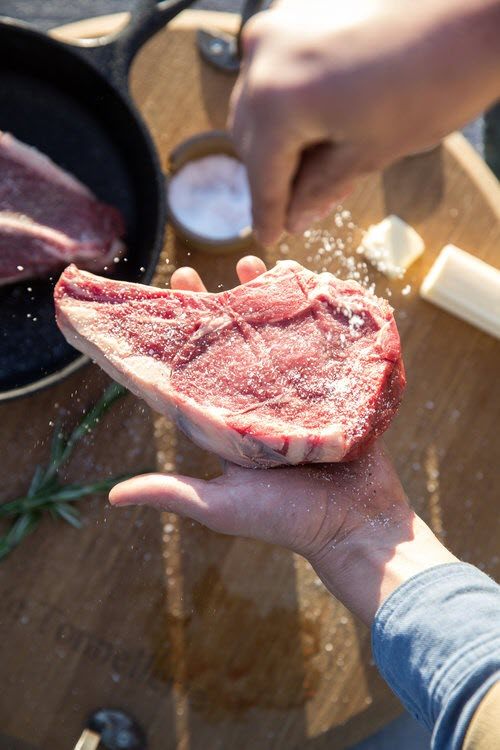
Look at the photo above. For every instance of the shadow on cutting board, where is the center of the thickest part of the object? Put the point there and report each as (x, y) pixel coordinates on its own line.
(240, 649)
(79, 606)
(402, 186)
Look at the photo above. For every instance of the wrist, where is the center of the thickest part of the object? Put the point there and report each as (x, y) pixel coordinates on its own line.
(367, 566)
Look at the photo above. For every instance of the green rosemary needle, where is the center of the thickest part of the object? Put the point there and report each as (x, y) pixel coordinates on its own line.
(45, 494)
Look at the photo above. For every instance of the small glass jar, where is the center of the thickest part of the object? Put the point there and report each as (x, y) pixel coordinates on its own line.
(204, 144)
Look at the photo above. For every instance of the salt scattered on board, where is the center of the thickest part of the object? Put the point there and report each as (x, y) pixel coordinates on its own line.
(211, 196)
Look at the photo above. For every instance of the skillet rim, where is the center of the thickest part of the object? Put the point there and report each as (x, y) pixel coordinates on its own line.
(81, 56)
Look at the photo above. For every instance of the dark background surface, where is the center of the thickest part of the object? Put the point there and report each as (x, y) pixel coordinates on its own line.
(48, 13)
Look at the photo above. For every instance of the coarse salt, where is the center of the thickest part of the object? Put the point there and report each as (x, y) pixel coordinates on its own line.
(211, 197)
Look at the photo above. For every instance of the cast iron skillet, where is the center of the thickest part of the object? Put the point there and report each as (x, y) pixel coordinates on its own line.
(72, 103)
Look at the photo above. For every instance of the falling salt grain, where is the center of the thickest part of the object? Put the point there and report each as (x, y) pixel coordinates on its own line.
(329, 647)
(406, 290)
(20, 268)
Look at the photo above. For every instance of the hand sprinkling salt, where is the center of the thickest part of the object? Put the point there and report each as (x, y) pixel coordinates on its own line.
(211, 197)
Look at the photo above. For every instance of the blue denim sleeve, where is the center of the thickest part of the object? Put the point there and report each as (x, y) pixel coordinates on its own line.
(436, 641)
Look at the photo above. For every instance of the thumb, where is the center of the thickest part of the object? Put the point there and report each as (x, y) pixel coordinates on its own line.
(192, 498)
(323, 180)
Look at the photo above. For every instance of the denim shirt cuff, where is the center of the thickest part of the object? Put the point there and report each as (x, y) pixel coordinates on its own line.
(436, 641)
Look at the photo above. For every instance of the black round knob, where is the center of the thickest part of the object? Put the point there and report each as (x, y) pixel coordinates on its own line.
(118, 730)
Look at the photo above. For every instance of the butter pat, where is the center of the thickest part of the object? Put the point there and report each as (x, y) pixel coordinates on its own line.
(392, 246)
(465, 286)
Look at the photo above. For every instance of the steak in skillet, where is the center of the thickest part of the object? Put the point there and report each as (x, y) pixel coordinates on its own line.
(48, 218)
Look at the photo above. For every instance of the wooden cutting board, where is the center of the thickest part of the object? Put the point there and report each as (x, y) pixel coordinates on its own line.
(214, 642)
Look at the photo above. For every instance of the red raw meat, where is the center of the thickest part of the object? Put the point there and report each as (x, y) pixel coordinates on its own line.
(48, 218)
(293, 367)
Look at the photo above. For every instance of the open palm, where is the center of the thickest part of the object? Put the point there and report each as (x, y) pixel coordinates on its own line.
(310, 509)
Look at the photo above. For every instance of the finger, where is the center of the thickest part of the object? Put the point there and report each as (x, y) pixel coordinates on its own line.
(238, 502)
(230, 469)
(271, 156)
(322, 181)
(249, 267)
(271, 168)
(185, 496)
(186, 279)
(250, 36)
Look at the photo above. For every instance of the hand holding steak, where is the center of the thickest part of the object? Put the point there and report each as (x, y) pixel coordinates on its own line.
(292, 367)
(48, 218)
(350, 520)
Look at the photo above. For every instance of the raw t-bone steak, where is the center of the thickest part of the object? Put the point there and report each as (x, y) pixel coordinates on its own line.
(48, 218)
(290, 368)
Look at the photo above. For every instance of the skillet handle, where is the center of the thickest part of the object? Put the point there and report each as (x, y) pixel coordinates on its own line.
(148, 17)
(113, 54)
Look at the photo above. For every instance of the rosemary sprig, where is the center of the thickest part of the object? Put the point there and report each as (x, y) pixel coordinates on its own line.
(45, 494)
(19, 530)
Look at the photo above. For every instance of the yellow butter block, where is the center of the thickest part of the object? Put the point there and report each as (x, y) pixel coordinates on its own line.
(392, 246)
(466, 287)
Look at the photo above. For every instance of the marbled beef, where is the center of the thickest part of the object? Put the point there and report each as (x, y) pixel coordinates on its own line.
(293, 367)
(48, 218)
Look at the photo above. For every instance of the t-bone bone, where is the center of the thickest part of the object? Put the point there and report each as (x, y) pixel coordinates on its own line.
(48, 218)
(293, 367)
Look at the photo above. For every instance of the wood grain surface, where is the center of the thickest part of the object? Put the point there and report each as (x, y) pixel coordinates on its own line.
(213, 642)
